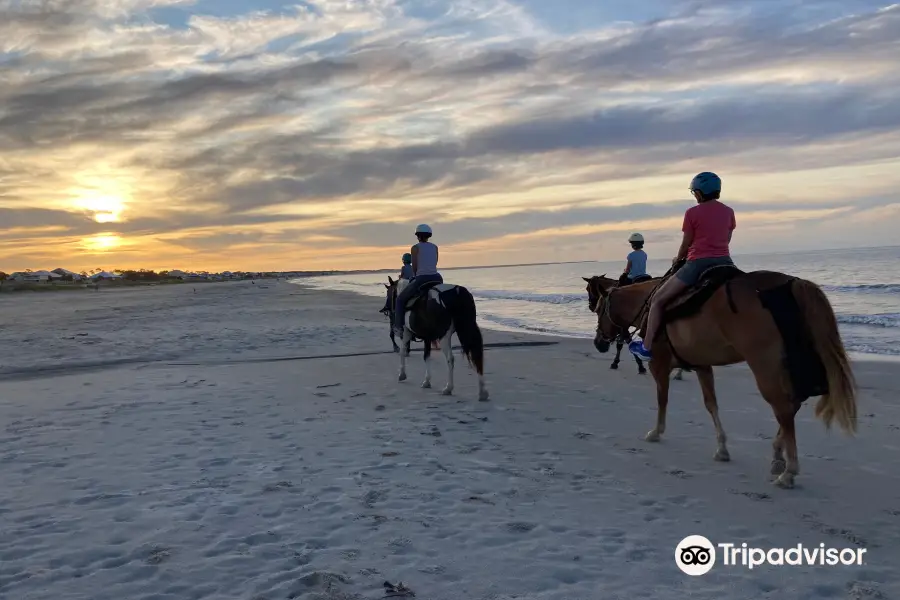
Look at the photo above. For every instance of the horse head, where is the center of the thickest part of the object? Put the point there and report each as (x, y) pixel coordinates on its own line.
(596, 287)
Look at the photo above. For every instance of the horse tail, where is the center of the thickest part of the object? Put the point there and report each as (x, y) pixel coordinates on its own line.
(839, 403)
(463, 313)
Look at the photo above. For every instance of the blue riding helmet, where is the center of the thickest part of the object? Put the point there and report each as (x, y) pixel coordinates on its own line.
(407, 258)
(706, 183)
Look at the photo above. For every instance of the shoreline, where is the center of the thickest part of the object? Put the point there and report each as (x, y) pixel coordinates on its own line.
(853, 355)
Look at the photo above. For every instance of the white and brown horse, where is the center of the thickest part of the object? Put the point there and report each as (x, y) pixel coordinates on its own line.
(435, 314)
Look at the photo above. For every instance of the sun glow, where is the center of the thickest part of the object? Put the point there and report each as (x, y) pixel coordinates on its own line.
(101, 243)
(106, 208)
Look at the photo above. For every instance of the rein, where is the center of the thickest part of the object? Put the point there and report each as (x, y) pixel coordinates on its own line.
(607, 306)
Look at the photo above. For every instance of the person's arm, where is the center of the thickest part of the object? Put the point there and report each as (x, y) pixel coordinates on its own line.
(686, 240)
(415, 259)
(733, 227)
(437, 255)
(627, 266)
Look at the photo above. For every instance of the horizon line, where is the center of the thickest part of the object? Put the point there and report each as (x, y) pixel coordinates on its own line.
(327, 272)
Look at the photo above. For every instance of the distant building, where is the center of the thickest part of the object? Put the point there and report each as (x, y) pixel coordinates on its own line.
(35, 276)
(65, 272)
(102, 275)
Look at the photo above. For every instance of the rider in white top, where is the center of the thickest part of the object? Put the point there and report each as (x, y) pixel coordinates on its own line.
(424, 263)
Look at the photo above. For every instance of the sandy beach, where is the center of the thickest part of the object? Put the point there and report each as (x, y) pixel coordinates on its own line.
(172, 444)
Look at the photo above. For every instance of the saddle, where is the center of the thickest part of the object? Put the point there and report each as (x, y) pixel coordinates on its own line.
(692, 300)
(432, 288)
(624, 280)
(432, 293)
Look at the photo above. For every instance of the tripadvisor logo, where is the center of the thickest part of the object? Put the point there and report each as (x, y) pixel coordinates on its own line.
(696, 555)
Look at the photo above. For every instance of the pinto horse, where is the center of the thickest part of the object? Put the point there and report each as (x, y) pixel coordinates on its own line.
(593, 290)
(435, 313)
(393, 289)
(783, 327)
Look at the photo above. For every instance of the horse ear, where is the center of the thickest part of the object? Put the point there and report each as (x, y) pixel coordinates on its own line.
(586, 279)
(386, 286)
(391, 281)
(603, 276)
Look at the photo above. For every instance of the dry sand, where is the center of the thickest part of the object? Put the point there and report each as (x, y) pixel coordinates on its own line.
(154, 447)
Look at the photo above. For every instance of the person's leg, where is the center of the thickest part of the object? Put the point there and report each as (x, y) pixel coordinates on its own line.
(669, 290)
(675, 285)
(402, 298)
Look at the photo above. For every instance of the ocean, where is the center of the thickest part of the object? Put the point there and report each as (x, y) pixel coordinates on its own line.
(862, 284)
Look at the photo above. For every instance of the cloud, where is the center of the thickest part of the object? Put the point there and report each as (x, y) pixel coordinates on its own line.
(331, 120)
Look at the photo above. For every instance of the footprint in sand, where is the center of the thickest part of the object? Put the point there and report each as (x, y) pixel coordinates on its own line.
(158, 556)
(371, 497)
(275, 487)
(760, 496)
(678, 473)
(520, 526)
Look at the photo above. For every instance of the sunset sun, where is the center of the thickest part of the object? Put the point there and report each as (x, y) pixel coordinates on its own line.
(101, 243)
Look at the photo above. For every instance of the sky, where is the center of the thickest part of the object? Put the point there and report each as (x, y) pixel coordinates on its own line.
(269, 135)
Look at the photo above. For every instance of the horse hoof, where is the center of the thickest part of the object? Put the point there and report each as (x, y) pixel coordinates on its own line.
(778, 467)
(785, 481)
(402, 377)
(678, 377)
(652, 436)
(396, 349)
(642, 371)
(426, 384)
(722, 456)
(614, 366)
(447, 392)
(483, 396)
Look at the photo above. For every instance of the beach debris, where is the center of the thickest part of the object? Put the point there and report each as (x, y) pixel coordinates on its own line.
(357, 395)
(433, 430)
(479, 499)
(397, 591)
(327, 385)
(582, 435)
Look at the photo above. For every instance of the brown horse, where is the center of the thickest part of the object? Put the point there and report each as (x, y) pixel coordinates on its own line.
(783, 327)
(594, 285)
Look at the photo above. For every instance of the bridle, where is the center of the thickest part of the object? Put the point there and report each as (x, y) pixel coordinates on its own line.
(607, 310)
(621, 331)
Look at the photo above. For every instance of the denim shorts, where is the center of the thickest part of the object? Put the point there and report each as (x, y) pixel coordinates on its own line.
(690, 273)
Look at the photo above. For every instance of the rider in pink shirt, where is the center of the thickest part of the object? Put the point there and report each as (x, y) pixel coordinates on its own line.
(707, 234)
